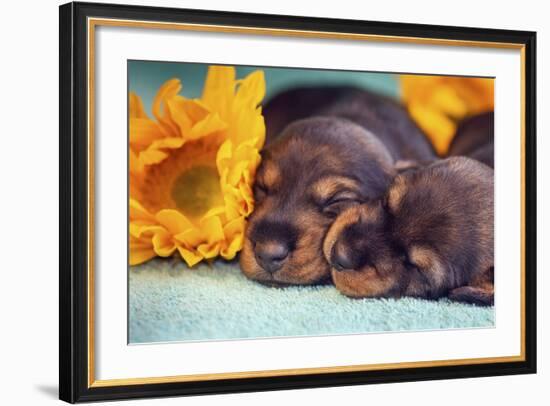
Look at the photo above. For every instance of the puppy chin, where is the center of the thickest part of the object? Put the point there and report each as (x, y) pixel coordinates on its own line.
(307, 271)
(287, 276)
(364, 283)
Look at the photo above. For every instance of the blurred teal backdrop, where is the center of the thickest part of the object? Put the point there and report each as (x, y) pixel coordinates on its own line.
(145, 78)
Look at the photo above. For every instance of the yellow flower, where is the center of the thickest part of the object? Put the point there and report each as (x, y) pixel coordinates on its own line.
(192, 168)
(438, 103)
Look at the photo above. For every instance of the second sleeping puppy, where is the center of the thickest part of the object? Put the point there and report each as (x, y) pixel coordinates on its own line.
(430, 236)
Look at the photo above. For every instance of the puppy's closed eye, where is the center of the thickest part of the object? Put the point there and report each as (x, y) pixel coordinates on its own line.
(261, 191)
(333, 194)
(408, 263)
(336, 204)
(267, 180)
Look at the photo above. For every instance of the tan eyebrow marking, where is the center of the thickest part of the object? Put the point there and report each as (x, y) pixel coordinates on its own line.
(326, 187)
(397, 192)
(428, 262)
(370, 213)
(270, 175)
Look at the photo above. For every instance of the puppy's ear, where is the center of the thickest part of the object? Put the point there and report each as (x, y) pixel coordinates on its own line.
(406, 165)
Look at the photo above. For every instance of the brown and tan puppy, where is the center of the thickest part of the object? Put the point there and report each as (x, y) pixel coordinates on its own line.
(315, 169)
(430, 236)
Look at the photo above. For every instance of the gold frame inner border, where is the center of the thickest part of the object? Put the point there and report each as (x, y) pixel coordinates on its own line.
(94, 22)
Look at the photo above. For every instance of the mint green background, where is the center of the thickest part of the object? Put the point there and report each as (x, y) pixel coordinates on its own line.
(146, 77)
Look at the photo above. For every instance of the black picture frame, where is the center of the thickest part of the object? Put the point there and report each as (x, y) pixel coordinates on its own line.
(74, 200)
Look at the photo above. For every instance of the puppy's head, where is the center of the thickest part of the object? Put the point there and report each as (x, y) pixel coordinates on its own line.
(315, 169)
(364, 261)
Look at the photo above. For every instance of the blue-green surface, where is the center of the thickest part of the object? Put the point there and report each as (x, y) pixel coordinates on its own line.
(169, 302)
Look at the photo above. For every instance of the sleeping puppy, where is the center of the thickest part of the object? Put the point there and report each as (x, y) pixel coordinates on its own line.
(315, 169)
(430, 236)
(474, 138)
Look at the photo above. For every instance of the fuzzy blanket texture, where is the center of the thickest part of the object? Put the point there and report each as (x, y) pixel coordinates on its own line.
(170, 302)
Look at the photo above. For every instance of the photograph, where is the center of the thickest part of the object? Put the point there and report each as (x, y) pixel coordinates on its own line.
(285, 202)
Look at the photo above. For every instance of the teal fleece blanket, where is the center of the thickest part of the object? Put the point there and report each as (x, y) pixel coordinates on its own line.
(170, 302)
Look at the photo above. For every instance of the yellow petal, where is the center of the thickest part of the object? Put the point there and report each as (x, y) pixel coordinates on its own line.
(209, 250)
(192, 237)
(219, 89)
(168, 142)
(138, 212)
(194, 110)
(136, 109)
(235, 246)
(138, 256)
(251, 89)
(446, 99)
(214, 211)
(247, 197)
(213, 229)
(136, 228)
(223, 155)
(211, 124)
(236, 172)
(234, 227)
(135, 166)
(144, 131)
(163, 244)
(152, 156)
(144, 230)
(477, 93)
(233, 208)
(138, 243)
(168, 90)
(173, 220)
(179, 114)
(247, 124)
(244, 151)
(439, 128)
(190, 257)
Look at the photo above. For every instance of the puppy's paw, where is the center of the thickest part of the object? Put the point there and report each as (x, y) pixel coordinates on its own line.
(473, 295)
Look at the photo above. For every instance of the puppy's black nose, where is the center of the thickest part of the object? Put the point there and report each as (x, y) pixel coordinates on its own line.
(271, 255)
(342, 258)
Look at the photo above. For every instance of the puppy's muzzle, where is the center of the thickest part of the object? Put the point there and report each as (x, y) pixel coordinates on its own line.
(271, 255)
(273, 242)
(342, 258)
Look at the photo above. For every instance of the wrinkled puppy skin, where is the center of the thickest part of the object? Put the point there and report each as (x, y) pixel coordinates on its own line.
(430, 236)
(474, 138)
(315, 169)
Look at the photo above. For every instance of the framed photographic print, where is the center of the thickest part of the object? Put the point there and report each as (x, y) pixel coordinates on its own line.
(257, 202)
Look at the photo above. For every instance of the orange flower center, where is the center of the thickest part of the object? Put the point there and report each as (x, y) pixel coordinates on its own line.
(197, 190)
(187, 180)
